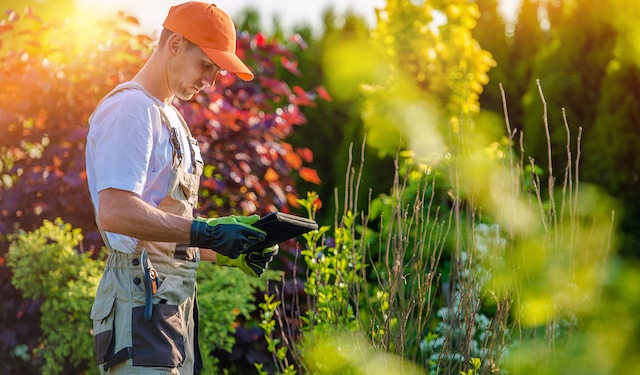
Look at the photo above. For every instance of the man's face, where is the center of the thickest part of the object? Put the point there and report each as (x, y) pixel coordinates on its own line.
(191, 71)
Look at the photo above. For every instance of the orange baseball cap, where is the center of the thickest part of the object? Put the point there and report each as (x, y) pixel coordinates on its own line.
(212, 30)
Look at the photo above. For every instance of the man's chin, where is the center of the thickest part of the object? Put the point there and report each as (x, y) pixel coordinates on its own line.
(184, 96)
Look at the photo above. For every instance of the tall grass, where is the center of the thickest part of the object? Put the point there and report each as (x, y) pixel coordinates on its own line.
(491, 265)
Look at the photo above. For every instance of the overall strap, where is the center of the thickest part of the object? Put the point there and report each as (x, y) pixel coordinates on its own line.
(187, 131)
(129, 85)
(134, 86)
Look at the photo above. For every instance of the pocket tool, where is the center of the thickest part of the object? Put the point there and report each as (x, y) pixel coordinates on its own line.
(150, 283)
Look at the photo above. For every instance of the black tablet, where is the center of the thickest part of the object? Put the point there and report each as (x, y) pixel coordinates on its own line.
(281, 227)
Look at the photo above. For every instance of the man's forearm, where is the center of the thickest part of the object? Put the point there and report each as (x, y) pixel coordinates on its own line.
(124, 213)
(207, 255)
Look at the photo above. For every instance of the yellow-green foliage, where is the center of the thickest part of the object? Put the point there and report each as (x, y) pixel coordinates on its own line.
(431, 71)
(333, 272)
(46, 265)
(476, 364)
(331, 351)
(431, 42)
(268, 324)
(624, 16)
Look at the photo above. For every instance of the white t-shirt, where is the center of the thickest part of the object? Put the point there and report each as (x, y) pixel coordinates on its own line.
(128, 148)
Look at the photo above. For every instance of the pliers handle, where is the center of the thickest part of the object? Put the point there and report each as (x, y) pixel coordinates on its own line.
(150, 284)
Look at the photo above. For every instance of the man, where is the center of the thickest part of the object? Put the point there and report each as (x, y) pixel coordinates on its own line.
(143, 171)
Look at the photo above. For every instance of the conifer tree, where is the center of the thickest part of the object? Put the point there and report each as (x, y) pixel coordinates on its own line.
(570, 69)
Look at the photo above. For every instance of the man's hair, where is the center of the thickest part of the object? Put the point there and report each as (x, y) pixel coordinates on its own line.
(166, 33)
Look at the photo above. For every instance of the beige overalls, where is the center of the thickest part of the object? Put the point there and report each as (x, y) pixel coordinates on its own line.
(125, 342)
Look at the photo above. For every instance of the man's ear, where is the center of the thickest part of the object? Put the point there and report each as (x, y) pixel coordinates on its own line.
(174, 43)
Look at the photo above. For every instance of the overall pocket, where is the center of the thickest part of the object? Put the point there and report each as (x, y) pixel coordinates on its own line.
(102, 314)
(160, 341)
(189, 184)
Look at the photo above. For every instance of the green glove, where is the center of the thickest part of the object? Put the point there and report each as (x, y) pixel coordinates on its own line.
(253, 263)
(229, 236)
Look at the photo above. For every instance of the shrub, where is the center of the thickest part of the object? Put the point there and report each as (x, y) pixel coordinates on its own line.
(226, 297)
(47, 266)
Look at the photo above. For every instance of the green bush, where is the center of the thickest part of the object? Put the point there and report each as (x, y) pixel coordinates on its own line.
(224, 295)
(47, 265)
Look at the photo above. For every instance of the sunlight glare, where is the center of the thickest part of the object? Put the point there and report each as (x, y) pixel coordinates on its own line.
(509, 9)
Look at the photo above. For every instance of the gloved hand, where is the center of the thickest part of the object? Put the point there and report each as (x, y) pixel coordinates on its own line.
(229, 236)
(253, 263)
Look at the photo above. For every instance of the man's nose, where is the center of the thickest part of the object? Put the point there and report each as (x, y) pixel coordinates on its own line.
(210, 79)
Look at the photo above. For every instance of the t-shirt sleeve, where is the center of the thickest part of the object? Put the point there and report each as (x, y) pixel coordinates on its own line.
(123, 153)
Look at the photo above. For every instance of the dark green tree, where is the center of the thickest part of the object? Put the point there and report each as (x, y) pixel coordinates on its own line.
(526, 42)
(613, 158)
(570, 70)
(491, 34)
(249, 20)
(613, 151)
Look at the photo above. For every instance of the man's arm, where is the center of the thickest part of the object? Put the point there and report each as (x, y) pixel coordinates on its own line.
(122, 212)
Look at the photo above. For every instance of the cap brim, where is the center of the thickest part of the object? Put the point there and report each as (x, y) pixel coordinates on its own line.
(230, 62)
